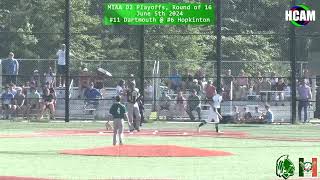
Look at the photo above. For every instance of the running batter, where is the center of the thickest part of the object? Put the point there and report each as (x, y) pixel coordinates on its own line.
(214, 114)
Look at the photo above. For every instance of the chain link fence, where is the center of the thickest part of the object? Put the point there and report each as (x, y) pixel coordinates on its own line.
(255, 40)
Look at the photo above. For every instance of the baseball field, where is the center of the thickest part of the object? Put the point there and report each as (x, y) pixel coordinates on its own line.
(171, 151)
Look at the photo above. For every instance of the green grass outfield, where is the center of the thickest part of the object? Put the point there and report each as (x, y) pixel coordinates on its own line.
(252, 159)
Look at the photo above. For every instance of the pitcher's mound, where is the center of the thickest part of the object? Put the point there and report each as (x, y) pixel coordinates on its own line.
(147, 151)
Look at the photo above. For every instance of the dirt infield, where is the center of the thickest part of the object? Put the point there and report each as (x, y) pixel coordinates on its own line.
(147, 151)
(174, 133)
(177, 133)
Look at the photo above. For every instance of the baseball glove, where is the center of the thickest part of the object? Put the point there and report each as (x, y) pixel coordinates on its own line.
(108, 126)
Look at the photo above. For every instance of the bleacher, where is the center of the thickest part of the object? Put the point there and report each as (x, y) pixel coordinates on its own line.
(281, 112)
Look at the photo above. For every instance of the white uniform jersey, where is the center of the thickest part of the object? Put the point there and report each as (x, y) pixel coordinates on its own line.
(217, 99)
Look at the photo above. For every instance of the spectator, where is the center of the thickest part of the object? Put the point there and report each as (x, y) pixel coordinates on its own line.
(53, 93)
(36, 78)
(175, 81)
(32, 101)
(149, 90)
(287, 90)
(25, 88)
(307, 77)
(269, 115)
(61, 64)
(227, 81)
(92, 96)
(50, 78)
(257, 115)
(210, 91)
(273, 81)
(245, 115)
(84, 82)
(235, 114)
(264, 86)
(196, 86)
(12, 89)
(189, 82)
(18, 103)
(11, 69)
(200, 75)
(165, 101)
(256, 84)
(304, 92)
(47, 103)
(120, 89)
(131, 81)
(251, 93)
(180, 101)
(194, 104)
(33, 84)
(280, 86)
(242, 82)
(141, 110)
(202, 85)
(7, 98)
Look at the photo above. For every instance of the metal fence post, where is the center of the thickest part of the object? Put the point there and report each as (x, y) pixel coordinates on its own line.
(218, 43)
(142, 61)
(292, 37)
(67, 43)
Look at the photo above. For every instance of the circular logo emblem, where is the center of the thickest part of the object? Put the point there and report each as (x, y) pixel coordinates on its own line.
(307, 166)
(300, 8)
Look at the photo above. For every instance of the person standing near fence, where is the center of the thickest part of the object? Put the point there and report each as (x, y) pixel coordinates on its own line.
(11, 69)
(61, 64)
(118, 112)
(194, 104)
(305, 95)
(133, 108)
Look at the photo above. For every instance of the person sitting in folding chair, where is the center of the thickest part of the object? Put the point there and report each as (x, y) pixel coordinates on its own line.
(7, 98)
(92, 96)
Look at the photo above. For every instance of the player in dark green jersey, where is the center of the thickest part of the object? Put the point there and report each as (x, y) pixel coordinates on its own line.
(118, 112)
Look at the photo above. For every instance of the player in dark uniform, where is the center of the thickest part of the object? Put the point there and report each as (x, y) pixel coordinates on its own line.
(133, 108)
(118, 112)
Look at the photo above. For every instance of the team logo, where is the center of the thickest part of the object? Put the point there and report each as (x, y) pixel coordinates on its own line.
(300, 15)
(308, 168)
(284, 167)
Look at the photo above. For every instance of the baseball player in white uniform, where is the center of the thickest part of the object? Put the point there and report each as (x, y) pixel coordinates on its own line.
(214, 115)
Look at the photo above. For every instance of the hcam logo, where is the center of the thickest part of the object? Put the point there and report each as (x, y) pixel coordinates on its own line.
(300, 15)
